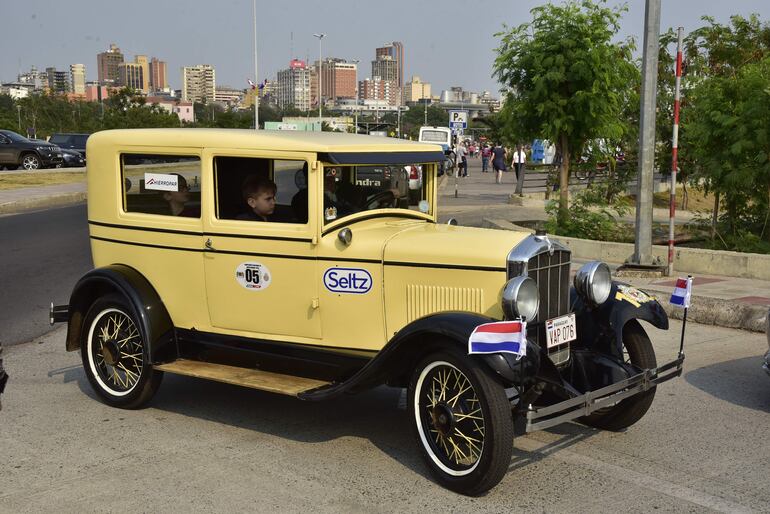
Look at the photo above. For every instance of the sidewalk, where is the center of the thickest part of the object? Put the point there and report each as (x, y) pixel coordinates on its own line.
(717, 300)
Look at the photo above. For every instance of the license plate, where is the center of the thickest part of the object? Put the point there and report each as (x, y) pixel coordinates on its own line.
(560, 330)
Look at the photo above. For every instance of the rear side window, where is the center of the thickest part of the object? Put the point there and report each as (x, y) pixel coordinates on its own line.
(162, 184)
(261, 189)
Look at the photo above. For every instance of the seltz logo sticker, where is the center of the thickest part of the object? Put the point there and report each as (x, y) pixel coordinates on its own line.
(253, 276)
(348, 280)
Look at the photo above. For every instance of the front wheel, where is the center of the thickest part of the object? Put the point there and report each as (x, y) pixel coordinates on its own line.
(462, 422)
(637, 350)
(115, 355)
(30, 162)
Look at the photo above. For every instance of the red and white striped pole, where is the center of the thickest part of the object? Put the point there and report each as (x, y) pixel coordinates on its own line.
(674, 153)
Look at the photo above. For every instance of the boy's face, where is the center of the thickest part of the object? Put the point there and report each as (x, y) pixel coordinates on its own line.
(262, 203)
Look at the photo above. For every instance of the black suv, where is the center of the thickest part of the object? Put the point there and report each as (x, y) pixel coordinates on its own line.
(16, 150)
(75, 142)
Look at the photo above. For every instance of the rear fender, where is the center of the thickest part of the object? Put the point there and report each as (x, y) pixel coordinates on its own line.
(153, 319)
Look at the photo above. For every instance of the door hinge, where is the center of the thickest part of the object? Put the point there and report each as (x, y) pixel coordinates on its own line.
(314, 303)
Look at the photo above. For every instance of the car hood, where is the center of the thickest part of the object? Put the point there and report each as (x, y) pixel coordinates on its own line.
(452, 246)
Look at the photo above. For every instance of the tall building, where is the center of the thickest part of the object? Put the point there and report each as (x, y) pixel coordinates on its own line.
(380, 91)
(37, 79)
(395, 51)
(198, 83)
(339, 79)
(78, 78)
(142, 61)
(416, 90)
(158, 75)
(58, 81)
(294, 86)
(131, 74)
(107, 65)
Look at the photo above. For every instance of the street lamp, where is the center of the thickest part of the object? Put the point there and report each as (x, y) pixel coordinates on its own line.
(320, 68)
(256, 77)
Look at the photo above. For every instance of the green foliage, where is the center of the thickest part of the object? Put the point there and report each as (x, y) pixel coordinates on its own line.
(589, 218)
(567, 80)
(728, 125)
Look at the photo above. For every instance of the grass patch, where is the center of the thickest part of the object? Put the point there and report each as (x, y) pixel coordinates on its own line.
(697, 200)
(36, 179)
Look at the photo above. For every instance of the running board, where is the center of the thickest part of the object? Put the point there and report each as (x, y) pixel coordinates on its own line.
(253, 378)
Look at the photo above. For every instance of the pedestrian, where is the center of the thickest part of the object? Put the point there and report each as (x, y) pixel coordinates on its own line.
(519, 158)
(486, 152)
(462, 160)
(498, 162)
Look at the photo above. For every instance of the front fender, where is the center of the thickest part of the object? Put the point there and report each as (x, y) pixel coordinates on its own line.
(395, 362)
(605, 323)
(153, 319)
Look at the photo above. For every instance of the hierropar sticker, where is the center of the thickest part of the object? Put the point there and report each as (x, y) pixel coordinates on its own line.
(253, 276)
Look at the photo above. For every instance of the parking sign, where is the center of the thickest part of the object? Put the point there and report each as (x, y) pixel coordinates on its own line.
(458, 119)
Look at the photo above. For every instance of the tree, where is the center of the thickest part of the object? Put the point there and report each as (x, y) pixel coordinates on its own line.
(566, 79)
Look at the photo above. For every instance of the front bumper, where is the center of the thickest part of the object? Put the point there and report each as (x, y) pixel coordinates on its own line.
(583, 405)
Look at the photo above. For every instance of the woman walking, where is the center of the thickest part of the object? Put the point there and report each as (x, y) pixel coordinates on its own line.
(498, 162)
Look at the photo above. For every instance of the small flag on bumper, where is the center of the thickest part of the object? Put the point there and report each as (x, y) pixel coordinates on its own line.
(499, 337)
(682, 292)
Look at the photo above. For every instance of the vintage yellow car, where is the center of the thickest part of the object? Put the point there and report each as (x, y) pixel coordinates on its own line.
(302, 264)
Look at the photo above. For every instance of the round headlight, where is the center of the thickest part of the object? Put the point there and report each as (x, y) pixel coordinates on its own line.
(521, 298)
(593, 282)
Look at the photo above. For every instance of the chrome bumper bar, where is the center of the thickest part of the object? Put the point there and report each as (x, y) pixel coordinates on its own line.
(583, 405)
(58, 313)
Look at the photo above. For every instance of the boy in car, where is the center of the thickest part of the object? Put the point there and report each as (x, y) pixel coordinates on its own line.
(259, 194)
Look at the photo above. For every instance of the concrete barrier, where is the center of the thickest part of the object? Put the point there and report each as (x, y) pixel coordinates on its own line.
(694, 260)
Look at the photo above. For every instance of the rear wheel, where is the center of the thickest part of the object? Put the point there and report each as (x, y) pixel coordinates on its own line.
(115, 355)
(30, 162)
(462, 422)
(637, 350)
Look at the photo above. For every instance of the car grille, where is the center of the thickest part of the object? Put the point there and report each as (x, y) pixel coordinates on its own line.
(551, 271)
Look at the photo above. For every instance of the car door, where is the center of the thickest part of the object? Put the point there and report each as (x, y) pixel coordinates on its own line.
(260, 275)
(6, 151)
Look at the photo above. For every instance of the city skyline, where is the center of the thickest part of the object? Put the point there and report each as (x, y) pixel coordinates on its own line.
(448, 46)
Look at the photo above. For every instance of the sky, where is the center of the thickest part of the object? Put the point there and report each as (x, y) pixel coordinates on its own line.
(446, 43)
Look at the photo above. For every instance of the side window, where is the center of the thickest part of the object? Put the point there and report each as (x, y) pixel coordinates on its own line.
(162, 184)
(257, 189)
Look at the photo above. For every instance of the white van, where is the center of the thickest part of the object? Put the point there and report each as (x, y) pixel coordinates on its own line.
(441, 136)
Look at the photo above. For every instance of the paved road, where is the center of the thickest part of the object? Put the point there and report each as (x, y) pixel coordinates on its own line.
(44, 253)
(204, 446)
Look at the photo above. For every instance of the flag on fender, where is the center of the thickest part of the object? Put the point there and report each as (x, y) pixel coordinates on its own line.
(682, 292)
(499, 337)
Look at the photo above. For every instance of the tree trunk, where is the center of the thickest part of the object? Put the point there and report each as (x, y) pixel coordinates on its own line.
(564, 182)
(766, 232)
(685, 196)
(715, 216)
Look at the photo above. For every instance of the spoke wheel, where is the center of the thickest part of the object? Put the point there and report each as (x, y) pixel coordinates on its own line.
(115, 355)
(463, 422)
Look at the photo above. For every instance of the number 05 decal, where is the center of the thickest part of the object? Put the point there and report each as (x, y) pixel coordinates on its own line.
(253, 276)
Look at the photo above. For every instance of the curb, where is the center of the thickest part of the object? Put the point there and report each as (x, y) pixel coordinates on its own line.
(706, 310)
(42, 202)
(717, 311)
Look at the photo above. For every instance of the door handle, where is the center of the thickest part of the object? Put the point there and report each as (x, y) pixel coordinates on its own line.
(209, 244)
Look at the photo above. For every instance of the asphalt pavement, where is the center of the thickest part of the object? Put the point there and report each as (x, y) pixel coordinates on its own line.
(210, 447)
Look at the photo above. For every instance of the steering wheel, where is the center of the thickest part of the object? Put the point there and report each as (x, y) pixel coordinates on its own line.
(381, 199)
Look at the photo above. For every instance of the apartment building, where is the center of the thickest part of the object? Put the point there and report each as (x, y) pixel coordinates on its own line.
(198, 83)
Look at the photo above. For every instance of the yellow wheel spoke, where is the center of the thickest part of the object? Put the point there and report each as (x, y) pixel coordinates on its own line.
(453, 401)
(470, 415)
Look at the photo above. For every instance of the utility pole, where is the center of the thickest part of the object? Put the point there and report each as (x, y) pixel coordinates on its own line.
(643, 240)
(256, 77)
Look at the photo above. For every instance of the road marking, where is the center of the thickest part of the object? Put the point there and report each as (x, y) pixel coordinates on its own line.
(634, 477)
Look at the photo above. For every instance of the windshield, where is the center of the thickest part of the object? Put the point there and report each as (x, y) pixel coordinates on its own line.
(434, 136)
(352, 189)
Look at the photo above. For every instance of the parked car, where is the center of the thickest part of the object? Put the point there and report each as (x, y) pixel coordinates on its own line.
(70, 158)
(17, 150)
(68, 141)
(329, 302)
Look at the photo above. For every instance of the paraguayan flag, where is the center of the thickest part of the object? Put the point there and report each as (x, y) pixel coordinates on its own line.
(499, 337)
(682, 292)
